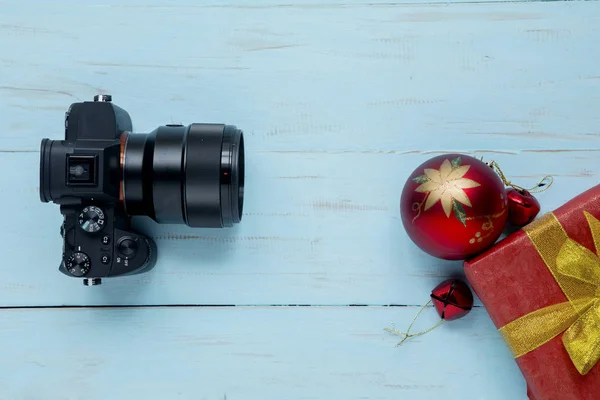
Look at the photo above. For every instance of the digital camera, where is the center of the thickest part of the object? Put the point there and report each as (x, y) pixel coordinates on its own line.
(102, 174)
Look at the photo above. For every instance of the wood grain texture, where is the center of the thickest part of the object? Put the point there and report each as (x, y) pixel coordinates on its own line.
(339, 102)
(345, 78)
(334, 118)
(333, 238)
(249, 353)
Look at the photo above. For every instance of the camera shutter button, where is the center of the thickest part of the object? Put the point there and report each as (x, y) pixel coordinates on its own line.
(127, 247)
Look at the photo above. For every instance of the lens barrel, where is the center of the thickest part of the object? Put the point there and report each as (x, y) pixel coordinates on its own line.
(191, 175)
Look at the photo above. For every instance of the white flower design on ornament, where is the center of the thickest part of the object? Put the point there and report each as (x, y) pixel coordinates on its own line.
(446, 185)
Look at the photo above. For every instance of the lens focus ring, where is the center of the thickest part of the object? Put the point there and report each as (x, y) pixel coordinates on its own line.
(192, 175)
(202, 170)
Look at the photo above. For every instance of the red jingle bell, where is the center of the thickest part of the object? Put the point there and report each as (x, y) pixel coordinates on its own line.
(452, 299)
(454, 206)
(523, 207)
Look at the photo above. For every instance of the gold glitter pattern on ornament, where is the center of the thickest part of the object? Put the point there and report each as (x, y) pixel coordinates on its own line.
(445, 185)
(487, 226)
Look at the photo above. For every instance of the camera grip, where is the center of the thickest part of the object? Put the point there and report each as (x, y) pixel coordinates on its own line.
(134, 253)
(99, 243)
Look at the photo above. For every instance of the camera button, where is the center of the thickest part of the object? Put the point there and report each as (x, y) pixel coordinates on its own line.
(105, 239)
(105, 259)
(127, 247)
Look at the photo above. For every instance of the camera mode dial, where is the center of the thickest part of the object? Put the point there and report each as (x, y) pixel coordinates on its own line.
(78, 264)
(91, 219)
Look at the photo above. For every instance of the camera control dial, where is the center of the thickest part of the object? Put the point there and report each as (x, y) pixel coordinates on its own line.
(91, 219)
(78, 264)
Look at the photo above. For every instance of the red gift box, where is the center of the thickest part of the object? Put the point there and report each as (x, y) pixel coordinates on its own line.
(541, 288)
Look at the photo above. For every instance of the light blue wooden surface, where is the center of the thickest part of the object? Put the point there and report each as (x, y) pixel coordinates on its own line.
(339, 101)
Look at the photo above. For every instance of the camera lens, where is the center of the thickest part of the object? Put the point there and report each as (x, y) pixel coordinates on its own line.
(191, 175)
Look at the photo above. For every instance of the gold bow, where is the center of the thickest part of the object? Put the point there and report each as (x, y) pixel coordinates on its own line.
(577, 271)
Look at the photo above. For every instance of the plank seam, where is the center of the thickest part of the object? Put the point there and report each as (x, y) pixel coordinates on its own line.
(387, 152)
(365, 4)
(219, 306)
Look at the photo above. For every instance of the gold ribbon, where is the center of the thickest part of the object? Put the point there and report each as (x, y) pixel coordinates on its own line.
(577, 271)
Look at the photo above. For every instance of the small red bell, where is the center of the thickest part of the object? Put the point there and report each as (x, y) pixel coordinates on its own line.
(523, 207)
(452, 299)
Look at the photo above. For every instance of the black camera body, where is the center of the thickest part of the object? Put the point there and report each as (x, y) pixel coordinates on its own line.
(102, 174)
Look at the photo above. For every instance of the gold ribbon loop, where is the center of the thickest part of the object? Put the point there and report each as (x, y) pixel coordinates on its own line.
(582, 339)
(577, 271)
(577, 262)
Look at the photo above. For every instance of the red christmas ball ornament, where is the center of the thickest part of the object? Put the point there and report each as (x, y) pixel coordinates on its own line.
(523, 207)
(452, 299)
(454, 206)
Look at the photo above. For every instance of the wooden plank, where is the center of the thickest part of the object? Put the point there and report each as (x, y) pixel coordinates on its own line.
(250, 353)
(242, 4)
(311, 234)
(348, 78)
